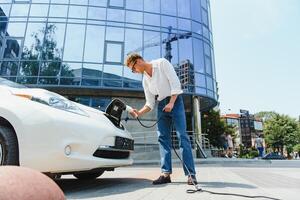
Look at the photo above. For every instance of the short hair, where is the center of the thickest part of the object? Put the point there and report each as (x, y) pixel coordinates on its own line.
(131, 58)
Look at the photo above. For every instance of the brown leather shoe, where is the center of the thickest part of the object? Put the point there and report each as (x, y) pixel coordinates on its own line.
(192, 180)
(162, 180)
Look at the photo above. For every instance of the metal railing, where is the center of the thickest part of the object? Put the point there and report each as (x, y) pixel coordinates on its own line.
(147, 139)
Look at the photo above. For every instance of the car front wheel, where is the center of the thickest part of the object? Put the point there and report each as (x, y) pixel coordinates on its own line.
(88, 175)
(8, 147)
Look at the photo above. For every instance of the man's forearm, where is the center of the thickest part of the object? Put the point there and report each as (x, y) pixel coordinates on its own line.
(144, 110)
(173, 98)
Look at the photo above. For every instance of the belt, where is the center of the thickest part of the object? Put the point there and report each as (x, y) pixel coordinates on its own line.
(167, 98)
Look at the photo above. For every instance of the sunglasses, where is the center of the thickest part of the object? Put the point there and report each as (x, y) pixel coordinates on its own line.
(133, 70)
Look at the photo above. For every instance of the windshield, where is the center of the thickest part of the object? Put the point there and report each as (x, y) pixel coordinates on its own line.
(6, 82)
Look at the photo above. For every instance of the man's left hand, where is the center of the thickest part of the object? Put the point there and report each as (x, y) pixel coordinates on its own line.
(168, 107)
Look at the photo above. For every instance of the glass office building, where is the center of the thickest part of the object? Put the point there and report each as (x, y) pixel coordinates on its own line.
(77, 47)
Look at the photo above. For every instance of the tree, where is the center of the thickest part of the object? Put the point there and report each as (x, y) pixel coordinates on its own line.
(45, 58)
(214, 127)
(296, 148)
(265, 115)
(282, 131)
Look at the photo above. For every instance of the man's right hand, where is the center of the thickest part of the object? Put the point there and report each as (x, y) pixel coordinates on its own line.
(134, 113)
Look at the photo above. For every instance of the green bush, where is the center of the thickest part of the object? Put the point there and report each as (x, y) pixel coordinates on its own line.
(296, 148)
(248, 153)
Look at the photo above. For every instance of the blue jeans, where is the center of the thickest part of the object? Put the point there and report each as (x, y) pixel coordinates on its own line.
(177, 118)
(260, 151)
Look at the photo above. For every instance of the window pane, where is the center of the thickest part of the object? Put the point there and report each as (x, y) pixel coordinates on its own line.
(50, 69)
(134, 17)
(74, 42)
(205, 32)
(205, 17)
(5, 11)
(185, 50)
(114, 34)
(79, 2)
(184, 24)
(184, 8)
(208, 65)
(116, 3)
(19, 10)
(6, 1)
(97, 13)
(167, 21)
(53, 42)
(12, 48)
(9, 68)
(200, 80)
(152, 6)
(174, 51)
(77, 11)
(210, 93)
(39, 10)
(196, 10)
(92, 70)
(168, 8)
(98, 2)
(40, 1)
(200, 90)
(198, 55)
(113, 72)
(60, 1)
(48, 81)
(29, 68)
(133, 40)
(209, 82)
(71, 70)
(91, 74)
(151, 37)
(58, 11)
(16, 29)
(204, 4)
(207, 49)
(115, 15)
(33, 41)
(151, 19)
(114, 52)
(94, 45)
(134, 4)
(197, 28)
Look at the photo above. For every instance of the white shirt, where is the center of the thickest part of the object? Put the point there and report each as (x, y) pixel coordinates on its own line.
(164, 82)
(229, 141)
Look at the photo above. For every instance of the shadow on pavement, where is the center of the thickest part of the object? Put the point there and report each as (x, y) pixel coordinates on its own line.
(78, 189)
(221, 185)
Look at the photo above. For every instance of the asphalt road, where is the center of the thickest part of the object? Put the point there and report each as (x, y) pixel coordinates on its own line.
(134, 183)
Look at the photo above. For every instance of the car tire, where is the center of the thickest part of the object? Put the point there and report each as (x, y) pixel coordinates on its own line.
(88, 175)
(9, 151)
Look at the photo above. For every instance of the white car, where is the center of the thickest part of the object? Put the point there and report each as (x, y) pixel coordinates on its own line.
(42, 130)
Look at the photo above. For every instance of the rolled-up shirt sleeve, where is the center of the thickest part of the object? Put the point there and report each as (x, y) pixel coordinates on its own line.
(150, 98)
(172, 77)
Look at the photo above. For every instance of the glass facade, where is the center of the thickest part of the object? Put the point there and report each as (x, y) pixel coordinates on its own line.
(83, 43)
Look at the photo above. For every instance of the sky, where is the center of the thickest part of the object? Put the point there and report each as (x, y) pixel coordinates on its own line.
(257, 55)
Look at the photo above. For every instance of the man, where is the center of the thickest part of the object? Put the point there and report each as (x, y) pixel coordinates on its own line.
(160, 79)
(229, 145)
(259, 144)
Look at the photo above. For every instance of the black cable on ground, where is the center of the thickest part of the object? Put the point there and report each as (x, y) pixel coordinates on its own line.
(197, 188)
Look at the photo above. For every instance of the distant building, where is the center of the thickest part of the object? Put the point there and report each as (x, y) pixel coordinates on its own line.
(247, 128)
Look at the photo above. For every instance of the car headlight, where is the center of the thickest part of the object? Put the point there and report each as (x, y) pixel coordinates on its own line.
(56, 102)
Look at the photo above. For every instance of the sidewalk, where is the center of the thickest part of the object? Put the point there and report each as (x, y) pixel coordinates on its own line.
(134, 183)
